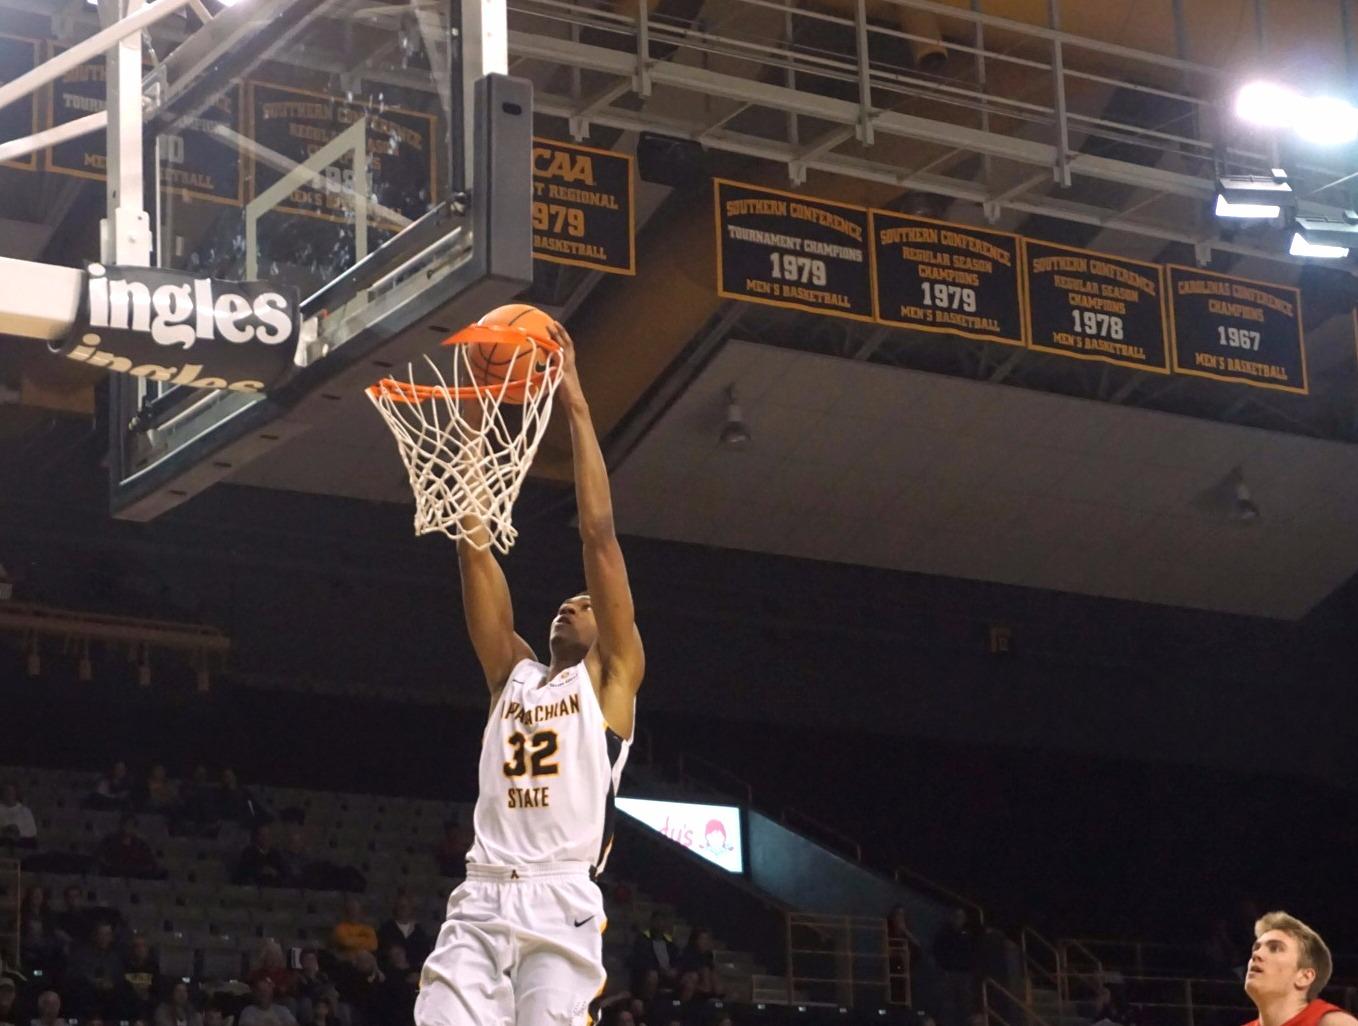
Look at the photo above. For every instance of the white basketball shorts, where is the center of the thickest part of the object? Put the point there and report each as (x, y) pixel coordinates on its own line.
(522, 946)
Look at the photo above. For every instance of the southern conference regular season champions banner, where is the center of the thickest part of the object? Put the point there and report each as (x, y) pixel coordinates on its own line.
(935, 276)
(1231, 329)
(1095, 307)
(298, 123)
(792, 251)
(582, 207)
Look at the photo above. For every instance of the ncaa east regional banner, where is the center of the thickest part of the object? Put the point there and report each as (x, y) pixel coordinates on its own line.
(934, 276)
(17, 57)
(1231, 329)
(297, 123)
(1095, 307)
(793, 251)
(193, 160)
(582, 207)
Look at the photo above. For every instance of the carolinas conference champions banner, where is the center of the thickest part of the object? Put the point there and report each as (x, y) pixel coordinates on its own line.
(1232, 329)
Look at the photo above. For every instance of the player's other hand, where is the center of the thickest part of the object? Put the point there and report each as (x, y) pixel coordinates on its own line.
(570, 377)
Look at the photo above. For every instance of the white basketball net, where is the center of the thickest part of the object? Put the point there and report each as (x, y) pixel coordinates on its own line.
(467, 448)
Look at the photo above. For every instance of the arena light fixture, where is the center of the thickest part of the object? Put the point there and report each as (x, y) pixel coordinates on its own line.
(1267, 104)
(735, 434)
(1325, 238)
(1321, 120)
(1258, 197)
(1326, 121)
(1244, 510)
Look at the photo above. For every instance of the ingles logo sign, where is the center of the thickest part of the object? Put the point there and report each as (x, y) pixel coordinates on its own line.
(181, 330)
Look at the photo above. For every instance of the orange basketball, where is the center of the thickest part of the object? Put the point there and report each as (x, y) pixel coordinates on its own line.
(494, 362)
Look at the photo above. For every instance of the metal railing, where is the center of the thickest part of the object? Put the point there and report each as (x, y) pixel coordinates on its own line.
(1042, 968)
(1002, 1007)
(906, 875)
(1038, 92)
(843, 961)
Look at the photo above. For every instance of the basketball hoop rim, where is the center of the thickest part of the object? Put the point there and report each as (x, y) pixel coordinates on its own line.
(394, 390)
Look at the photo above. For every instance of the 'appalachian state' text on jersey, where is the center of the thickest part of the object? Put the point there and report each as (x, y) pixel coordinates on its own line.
(549, 773)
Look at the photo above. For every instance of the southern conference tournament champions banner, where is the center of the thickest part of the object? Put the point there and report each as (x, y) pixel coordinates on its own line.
(1095, 307)
(1236, 330)
(297, 123)
(934, 276)
(193, 160)
(792, 251)
(20, 118)
(582, 207)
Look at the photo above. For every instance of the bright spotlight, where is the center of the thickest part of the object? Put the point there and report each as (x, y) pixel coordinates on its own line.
(1267, 103)
(1248, 211)
(1326, 121)
(1300, 247)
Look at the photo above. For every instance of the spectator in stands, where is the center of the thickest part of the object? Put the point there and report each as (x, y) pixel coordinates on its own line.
(213, 1016)
(158, 794)
(311, 981)
(141, 981)
(270, 962)
(197, 812)
(450, 854)
(654, 951)
(39, 942)
(957, 951)
(235, 804)
(698, 958)
(359, 981)
(260, 863)
(49, 1010)
(322, 1013)
(113, 790)
(394, 1001)
(94, 972)
(125, 853)
(263, 1011)
(402, 931)
(620, 1015)
(9, 1002)
(686, 994)
(1110, 1008)
(905, 956)
(177, 1009)
(353, 935)
(78, 918)
(18, 829)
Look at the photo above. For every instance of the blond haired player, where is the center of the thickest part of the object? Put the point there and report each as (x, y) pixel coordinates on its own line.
(1289, 967)
(522, 944)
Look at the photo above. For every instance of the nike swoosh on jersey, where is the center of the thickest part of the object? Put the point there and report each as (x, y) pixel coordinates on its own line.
(582, 922)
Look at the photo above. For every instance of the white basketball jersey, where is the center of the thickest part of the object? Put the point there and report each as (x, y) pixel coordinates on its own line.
(550, 768)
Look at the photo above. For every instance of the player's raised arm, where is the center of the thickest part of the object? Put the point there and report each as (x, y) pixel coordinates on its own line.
(622, 659)
(488, 608)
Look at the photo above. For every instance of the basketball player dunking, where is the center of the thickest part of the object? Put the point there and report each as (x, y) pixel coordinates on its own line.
(1289, 967)
(523, 941)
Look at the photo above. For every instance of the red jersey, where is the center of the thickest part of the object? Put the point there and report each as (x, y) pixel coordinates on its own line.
(1308, 1016)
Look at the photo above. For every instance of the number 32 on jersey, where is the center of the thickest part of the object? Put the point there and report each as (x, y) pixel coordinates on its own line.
(529, 755)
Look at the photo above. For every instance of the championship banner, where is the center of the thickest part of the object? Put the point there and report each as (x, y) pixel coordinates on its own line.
(1095, 307)
(582, 207)
(296, 123)
(20, 118)
(934, 276)
(1232, 329)
(193, 159)
(793, 251)
(179, 329)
